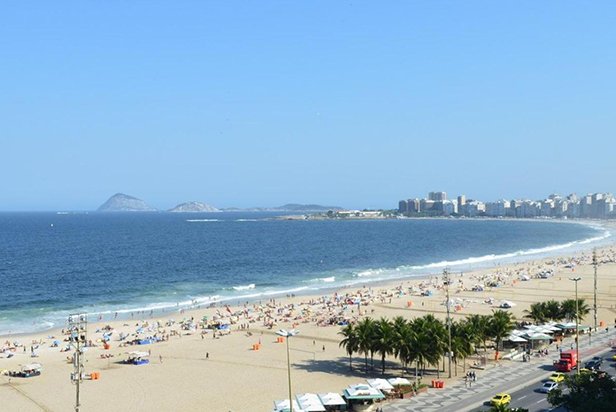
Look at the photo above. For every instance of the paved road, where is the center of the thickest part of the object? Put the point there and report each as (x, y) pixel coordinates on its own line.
(518, 378)
(530, 398)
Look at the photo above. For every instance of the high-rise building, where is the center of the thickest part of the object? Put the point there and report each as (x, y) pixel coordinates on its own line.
(403, 206)
(437, 196)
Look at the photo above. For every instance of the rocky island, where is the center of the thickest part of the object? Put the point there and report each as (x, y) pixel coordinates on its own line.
(125, 203)
(193, 207)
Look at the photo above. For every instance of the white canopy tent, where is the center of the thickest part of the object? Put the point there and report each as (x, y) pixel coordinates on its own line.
(399, 381)
(285, 406)
(331, 399)
(309, 402)
(380, 384)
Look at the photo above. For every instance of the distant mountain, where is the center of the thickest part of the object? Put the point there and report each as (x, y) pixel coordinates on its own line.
(289, 207)
(194, 207)
(125, 203)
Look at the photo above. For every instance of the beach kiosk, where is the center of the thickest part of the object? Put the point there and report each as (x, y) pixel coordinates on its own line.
(333, 401)
(137, 358)
(361, 397)
(381, 384)
(310, 402)
(285, 406)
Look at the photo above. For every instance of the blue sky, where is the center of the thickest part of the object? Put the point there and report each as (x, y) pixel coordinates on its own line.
(356, 104)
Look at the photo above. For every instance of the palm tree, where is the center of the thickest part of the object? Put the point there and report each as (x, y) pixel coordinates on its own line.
(384, 337)
(350, 342)
(405, 343)
(461, 342)
(552, 310)
(365, 331)
(432, 339)
(537, 312)
(479, 328)
(501, 324)
(567, 309)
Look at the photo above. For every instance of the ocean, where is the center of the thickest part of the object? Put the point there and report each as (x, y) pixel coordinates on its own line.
(54, 264)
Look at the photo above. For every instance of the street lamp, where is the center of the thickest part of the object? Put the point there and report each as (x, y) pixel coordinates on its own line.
(447, 281)
(287, 334)
(577, 327)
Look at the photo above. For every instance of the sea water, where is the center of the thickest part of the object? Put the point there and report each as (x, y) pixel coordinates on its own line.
(54, 264)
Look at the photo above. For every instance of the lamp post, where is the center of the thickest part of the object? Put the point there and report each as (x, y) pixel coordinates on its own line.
(595, 263)
(577, 327)
(287, 334)
(447, 281)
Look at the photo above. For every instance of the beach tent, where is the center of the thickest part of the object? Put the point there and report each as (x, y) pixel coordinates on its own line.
(285, 406)
(515, 338)
(380, 384)
(538, 336)
(362, 392)
(399, 381)
(331, 399)
(310, 402)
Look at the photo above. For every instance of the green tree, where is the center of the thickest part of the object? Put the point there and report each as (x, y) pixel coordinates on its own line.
(537, 312)
(461, 342)
(365, 332)
(552, 310)
(500, 326)
(587, 392)
(479, 325)
(350, 342)
(384, 338)
(567, 309)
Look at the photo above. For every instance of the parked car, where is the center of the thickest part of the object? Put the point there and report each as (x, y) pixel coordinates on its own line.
(548, 387)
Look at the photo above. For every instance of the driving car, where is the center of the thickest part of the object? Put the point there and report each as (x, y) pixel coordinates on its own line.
(594, 363)
(557, 377)
(501, 399)
(548, 387)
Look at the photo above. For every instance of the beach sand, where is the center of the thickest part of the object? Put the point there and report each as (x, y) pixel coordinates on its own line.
(236, 378)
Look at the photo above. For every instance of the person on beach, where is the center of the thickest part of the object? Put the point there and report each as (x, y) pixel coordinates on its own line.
(160, 358)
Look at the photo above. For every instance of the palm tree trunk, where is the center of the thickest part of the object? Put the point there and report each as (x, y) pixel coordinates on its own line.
(383, 364)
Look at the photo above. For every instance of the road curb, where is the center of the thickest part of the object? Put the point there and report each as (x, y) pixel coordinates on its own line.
(527, 383)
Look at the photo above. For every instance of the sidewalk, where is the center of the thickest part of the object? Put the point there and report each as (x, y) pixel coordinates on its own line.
(513, 375)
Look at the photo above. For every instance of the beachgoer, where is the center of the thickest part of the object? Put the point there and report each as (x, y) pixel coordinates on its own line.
(160, 358)
(207, 355)
(323, 348)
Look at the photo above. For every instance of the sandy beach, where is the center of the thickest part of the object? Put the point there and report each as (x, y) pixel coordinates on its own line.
(197, 370)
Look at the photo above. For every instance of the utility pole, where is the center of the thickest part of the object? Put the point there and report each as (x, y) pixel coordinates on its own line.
(577, 327)
(77, 326)
(447, 281)
(595, 263)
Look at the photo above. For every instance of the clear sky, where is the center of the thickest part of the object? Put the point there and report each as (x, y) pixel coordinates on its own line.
(349, 103)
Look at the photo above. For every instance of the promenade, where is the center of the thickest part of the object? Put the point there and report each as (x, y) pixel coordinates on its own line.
(507, 377)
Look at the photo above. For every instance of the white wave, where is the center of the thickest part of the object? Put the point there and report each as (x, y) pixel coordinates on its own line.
(369, 272)
(246, 220)
(202, 220)
(244, 287)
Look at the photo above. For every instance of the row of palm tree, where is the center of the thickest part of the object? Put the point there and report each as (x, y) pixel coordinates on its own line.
(423, 341)
(552, 310)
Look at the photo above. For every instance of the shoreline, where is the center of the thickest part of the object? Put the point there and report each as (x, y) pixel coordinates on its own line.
(472, 263)
(318, 364)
